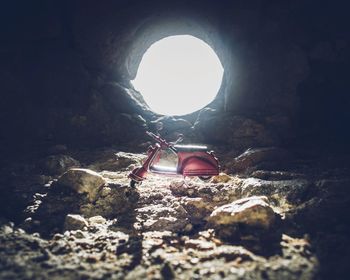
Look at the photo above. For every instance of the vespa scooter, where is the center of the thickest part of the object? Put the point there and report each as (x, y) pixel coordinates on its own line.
(166, 158)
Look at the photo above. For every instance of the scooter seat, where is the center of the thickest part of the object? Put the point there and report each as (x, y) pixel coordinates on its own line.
(190, 148)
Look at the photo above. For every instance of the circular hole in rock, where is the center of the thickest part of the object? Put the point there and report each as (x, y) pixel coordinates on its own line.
(179, 75)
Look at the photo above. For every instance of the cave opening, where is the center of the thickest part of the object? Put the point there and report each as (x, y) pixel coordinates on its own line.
(179, 75)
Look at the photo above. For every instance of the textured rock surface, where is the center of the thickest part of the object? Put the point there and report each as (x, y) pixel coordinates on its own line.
(65, 79)
(82, 181)
(239, 132)
(58, 164)
(253, 157)
(74, 222)
(228, 227)
(251, 211)
(116, 161)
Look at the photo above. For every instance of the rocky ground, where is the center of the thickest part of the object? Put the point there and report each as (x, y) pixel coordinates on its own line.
(270, 214)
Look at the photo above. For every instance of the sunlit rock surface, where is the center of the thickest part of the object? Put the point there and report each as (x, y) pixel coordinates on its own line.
(74, 222)
(251, 211)
(67, 101)
(93, 225)
(82, 181)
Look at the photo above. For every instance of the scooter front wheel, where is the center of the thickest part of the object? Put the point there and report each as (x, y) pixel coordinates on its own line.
(134, 183)
(204, 178)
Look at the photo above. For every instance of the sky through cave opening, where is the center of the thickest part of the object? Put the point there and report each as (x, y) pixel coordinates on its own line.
(179, 75)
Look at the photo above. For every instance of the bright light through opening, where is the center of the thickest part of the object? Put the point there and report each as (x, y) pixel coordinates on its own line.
(179, 75)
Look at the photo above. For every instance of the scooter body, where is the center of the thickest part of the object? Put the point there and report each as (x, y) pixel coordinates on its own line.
(191, 160)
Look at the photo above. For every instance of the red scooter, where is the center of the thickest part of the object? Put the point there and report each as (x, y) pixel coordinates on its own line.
(172, 159)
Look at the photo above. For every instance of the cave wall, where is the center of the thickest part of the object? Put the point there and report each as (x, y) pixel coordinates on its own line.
(67, 65)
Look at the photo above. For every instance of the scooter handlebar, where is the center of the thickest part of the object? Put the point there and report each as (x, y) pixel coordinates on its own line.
(159, 139)
(155, 137)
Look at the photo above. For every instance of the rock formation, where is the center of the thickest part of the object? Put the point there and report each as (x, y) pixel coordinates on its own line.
(73, 127)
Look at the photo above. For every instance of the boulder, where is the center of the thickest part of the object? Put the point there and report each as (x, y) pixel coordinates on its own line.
(113, 199)
(82, 181)
(221, 178)
(237, 131)
(74, 222)
(172, 127)
(276, 175)
(252, 157)
(293, 191)
(111, 161)
(97, 220)
(158, 217)
(124, 99)
(197, 208)
(251, 211)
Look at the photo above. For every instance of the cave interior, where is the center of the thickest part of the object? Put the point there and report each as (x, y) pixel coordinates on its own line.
(73, 127)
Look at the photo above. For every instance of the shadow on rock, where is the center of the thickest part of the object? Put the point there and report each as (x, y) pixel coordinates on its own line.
(133, 246)
(83, 192)
(50, 216)
(326, 220)
(249, 222)
(256, 239)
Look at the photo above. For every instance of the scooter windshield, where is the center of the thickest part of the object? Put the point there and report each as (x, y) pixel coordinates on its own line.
(166, 161)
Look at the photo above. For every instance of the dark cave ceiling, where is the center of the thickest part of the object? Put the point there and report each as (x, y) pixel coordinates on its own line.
(67, 65)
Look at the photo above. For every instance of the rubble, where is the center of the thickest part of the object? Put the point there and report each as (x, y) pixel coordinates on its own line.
(74, 222)
(82, 181)
(92, 224)
(251, 211)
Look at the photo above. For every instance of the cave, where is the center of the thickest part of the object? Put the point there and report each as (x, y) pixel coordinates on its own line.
(74, 121)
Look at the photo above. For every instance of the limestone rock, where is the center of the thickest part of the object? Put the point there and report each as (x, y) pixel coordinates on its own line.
(238, 131)
(197, 208)
(253, 157)
(74, 222)
(82, 181)
(221, 178)
(112, 199)
(252, 211)
(294, 191)
(97, 220)
(275, 175)
(111, 161)
(124, 99)
(173, 126)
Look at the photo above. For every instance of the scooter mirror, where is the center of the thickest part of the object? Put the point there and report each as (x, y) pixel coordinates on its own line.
(179, 138)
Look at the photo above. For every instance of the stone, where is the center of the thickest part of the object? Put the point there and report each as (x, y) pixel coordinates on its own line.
(111, 161)
(6, 229)
(275, 175)
(197, 208)
(251, 211)
(293, 191)
(124, 99)
(253, 157)
(112, 199)
(221, 178)
(172, 127)
(58, 164)
(74, 222)
(240, 132)
(82, 181)
(96, 220)
(158, 217)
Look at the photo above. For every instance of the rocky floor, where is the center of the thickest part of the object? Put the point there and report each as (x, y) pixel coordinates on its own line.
(270, 214)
